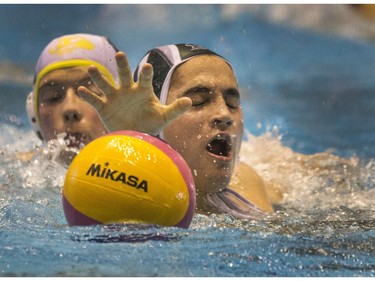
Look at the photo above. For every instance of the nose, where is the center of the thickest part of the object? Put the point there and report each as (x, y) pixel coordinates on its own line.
(222, 118)
(222, 124)
(72, 107)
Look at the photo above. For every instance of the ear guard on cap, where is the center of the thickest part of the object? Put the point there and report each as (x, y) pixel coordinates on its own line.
(31, 114)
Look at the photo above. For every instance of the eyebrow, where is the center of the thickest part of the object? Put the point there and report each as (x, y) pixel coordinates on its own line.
(230, 91)
(57, 82)
(44, 84)
(196, 89)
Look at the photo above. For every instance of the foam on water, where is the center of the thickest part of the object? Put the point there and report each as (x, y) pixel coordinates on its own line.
(312, 182)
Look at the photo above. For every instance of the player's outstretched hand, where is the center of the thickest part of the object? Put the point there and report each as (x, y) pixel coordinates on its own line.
(131, 105)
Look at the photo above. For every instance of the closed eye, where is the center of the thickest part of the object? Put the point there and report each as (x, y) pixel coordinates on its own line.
(51, 93)
(198, 95)
(232, 98)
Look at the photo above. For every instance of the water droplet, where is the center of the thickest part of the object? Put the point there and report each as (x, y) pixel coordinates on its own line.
(180, 196)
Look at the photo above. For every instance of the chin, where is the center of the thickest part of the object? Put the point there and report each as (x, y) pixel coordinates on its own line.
(212, 184)
(210, 176)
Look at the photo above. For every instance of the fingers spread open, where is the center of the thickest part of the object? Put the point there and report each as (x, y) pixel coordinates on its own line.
(123, 69)
(100, 81)
(177, 108)
(146, 75)
(93, 99)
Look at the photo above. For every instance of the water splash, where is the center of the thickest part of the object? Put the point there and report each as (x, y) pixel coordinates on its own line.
(312, 184)
(317, 187)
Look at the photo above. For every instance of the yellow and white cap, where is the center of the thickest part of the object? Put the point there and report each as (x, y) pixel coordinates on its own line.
(68, 51)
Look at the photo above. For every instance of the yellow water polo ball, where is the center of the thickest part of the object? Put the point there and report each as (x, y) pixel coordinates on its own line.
(129, 177)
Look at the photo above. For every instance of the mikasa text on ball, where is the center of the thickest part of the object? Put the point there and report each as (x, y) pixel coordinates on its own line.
(129, 177)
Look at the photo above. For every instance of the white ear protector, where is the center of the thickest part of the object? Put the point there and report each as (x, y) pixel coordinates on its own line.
(31, 114)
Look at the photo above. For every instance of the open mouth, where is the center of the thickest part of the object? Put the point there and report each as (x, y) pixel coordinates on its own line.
(220, 145)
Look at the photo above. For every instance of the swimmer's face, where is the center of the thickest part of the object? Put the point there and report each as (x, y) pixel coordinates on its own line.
(61, 109)
(209, 135)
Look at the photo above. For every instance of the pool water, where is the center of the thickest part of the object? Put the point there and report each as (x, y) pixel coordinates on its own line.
(308, 103)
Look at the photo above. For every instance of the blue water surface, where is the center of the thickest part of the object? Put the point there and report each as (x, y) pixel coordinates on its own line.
(308, 103)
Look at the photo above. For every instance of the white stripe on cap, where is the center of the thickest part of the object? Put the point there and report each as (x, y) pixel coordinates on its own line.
(141, 63)
(173, 54)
